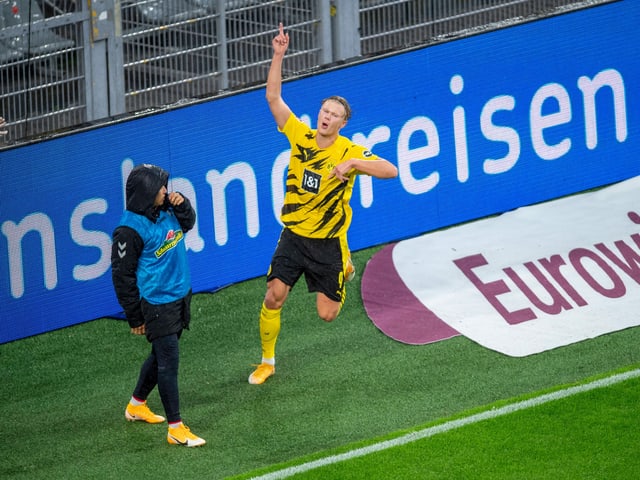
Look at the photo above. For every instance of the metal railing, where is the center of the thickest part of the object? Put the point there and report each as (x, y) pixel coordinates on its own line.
(394, 24)
(68, 63)
(42, 84)
(198, 47)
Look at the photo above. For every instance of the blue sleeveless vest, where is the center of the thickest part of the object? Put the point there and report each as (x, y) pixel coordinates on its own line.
(163, 268)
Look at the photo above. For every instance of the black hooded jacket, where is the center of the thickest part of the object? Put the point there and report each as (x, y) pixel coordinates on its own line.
(143, 184)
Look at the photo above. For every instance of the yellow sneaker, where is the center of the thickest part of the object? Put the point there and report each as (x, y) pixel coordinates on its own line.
(350, 271)
(141, 413)
(182, 436)
(260, 374)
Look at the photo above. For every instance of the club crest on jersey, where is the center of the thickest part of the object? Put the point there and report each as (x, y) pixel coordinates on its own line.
(171, 240)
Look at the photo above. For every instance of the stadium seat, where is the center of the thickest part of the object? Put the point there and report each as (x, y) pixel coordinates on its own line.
(211, 5)
(165, 12)
(8, 55)
(41, 40)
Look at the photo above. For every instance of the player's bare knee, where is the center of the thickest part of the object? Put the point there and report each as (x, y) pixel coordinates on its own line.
(272, 304)
(276, 294)
(328, 316)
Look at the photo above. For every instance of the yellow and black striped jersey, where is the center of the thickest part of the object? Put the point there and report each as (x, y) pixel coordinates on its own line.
(315, 205)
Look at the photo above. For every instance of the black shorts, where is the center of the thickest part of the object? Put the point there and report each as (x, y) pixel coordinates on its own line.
(321, 260)
(166, 319)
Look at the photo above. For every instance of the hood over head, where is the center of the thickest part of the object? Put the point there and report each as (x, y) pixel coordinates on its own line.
(143, 185)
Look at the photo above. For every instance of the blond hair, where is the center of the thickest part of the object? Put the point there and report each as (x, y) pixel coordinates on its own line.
(342, 101)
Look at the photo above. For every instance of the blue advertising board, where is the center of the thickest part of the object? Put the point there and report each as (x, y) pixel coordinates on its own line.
(476, 126)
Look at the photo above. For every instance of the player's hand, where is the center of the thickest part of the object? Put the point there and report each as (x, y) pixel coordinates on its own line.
(138, 330)
(175, 198)
(341, 171)
(280, 42)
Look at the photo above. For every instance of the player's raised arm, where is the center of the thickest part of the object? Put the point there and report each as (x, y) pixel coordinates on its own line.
(279, 109)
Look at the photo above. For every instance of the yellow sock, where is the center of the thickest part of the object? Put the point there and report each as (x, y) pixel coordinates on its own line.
(269, 329)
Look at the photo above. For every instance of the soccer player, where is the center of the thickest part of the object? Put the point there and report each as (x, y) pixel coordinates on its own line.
(152, 281)
(316, 213)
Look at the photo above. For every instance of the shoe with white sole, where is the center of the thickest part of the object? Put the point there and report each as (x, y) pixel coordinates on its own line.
(141, 413)
(350, 271)
(260, 374)
(182, 436)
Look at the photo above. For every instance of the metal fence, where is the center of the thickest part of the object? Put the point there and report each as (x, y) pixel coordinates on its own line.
(68, 63)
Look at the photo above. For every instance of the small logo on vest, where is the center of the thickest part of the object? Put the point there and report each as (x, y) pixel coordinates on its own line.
(171, 240)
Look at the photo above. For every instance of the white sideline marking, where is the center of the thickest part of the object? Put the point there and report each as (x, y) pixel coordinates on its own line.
(445, 427)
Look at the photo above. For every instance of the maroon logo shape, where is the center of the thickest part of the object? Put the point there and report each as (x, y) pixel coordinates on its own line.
(394, 309)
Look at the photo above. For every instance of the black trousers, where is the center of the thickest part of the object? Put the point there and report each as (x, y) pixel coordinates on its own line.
(161, 369)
